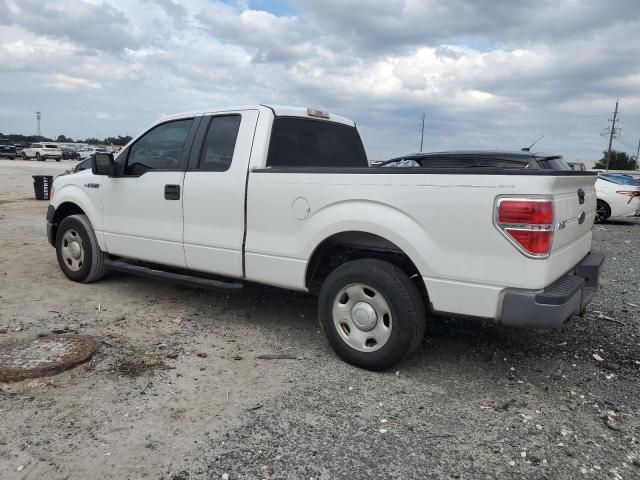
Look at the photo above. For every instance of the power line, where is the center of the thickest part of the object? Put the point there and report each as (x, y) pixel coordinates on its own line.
(619, 140)
(625, 142)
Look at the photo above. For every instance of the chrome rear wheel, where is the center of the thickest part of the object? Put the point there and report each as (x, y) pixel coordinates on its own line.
(362, 317)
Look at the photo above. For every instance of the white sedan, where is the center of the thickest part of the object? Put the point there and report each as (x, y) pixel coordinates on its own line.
(618, 196)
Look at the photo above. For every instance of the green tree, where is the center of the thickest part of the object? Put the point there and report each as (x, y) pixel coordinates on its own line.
(619, 161)
(64, 139)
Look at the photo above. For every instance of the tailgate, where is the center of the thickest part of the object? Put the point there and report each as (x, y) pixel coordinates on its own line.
(575, 209)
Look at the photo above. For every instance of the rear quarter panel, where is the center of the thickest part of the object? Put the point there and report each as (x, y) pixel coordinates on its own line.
(444, 223)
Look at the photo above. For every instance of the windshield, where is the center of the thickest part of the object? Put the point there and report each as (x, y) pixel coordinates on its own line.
(619, 179)
(553, 163)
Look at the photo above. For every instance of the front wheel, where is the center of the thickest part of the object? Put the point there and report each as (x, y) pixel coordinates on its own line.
(372, 313)
(79, 255)
(603, 211)
(37, 157)
(24, 156)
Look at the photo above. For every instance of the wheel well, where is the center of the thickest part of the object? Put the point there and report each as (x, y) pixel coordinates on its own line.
(64, 210)
(346, 246)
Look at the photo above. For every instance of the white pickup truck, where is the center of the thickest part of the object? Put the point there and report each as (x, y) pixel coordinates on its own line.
(285, 196)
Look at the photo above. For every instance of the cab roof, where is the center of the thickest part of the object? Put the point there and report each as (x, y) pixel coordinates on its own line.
(277, 110)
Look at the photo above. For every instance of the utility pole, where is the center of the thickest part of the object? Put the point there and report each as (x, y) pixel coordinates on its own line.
(638, 153)
(613, 129)
(38, 117)
(422, 133)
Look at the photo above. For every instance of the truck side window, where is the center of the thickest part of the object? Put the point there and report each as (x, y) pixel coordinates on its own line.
(301, 142)
(159, 149)
(219, 144)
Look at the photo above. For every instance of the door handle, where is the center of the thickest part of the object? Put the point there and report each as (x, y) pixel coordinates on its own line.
(172, 192)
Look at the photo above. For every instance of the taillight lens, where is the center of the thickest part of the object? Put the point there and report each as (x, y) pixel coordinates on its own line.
(629, 193)
(526, 212)
(528, 223)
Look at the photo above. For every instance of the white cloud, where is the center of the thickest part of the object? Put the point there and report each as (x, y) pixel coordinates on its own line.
(488, 74)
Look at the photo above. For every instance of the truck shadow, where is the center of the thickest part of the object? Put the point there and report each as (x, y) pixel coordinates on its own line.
(448, 343)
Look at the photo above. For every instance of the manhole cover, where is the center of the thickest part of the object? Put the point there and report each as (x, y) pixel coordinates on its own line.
(43, 356)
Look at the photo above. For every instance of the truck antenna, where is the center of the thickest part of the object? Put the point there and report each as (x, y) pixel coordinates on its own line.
(528, 149)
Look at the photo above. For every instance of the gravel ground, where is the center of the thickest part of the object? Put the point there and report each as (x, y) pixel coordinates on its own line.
(178, 388)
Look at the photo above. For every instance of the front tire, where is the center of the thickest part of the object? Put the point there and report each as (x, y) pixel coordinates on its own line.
(38, 157)
(24, 156)
(603, 211)
(372, 313)
(79, 255)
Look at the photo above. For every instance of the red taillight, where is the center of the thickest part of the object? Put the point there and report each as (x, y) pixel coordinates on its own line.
(536, 242)
(526, 212)
(629, 193)
(528, 223)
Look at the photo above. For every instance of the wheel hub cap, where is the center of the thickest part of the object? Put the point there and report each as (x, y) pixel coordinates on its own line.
(72, 251)
(75, 249)
(364, 316)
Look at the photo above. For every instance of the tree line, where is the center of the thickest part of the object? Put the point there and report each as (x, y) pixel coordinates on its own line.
(618, 161)
(17, 138)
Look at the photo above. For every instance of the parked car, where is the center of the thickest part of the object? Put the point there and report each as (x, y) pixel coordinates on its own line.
(285, 196)
(7, 149)
(42, 151)
(86, 152)
(478, 158)
(69, 154)
(618, 196)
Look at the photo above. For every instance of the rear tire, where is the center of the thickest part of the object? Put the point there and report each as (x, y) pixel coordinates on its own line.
(79, 255)
(372, 313)
(38, 157)
(603, 211)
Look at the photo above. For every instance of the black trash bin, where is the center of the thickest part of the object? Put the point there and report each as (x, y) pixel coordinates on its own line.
(42, 186)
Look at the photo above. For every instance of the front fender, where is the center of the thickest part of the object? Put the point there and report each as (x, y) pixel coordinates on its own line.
(87, 198)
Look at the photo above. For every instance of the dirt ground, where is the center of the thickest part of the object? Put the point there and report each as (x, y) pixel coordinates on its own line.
(176, 389)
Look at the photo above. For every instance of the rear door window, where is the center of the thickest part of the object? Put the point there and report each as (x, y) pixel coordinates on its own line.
(301, 142)
(219, 144)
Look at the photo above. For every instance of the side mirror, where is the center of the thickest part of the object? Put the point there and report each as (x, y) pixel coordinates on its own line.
(103, 164)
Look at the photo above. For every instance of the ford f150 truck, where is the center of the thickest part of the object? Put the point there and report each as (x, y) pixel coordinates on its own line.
(285, 196)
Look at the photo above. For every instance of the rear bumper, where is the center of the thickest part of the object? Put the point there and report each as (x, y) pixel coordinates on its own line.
(554, 305)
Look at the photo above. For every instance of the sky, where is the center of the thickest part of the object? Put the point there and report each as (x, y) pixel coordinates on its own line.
(486, 74)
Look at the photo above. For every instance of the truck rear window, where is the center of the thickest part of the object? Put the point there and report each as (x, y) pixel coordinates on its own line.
(301, 142)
